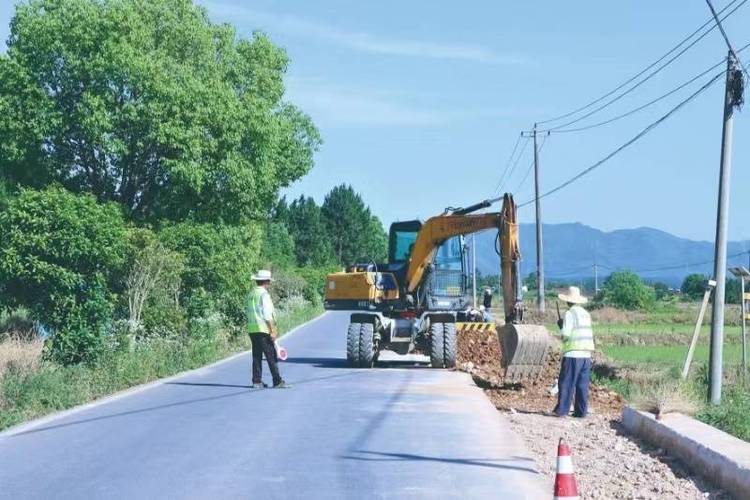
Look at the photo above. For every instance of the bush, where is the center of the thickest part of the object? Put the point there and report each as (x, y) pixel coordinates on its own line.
(625, 289)
(62, 254)
(219, 263)
(693, 286)
(153, 287)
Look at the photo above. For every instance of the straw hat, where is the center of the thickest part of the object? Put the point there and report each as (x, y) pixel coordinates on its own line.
(573, 296)
(263, 275)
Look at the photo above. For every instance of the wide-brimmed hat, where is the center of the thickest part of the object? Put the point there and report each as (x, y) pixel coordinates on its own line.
(573, 296)
(263, 275)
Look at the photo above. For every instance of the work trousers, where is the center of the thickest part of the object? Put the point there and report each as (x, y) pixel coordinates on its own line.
(263, 344)
(575, 375)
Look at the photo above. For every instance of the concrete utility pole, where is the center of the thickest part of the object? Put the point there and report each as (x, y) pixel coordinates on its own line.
(474, 269)
(743, 273)
(732, 99)
(539, 245)
(596, 279)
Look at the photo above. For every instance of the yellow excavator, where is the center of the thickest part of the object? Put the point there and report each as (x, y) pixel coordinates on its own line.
(418, 300)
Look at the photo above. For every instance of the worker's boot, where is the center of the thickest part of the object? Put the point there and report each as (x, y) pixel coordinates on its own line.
(282, 385)
(260, 385)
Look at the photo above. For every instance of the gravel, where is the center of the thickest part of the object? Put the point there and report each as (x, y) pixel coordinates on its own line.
(608, 463)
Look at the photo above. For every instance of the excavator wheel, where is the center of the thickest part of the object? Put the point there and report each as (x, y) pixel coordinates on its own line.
(360, 346)
(449, 345)
(443, 345)
(524, 351)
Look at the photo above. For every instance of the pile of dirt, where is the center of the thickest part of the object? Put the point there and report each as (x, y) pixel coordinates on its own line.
(479, 354)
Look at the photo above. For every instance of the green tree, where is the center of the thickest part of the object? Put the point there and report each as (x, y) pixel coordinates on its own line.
(625, 289)
(661, 290)
(149, 104)
(356, 235)
(61, 255)
(219, 263)
(693, 286)
(312, 245)
(278, 246)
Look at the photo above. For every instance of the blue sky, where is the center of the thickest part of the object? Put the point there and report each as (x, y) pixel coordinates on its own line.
(420, 104)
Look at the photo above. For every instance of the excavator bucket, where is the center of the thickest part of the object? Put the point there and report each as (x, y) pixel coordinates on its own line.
(524, 351)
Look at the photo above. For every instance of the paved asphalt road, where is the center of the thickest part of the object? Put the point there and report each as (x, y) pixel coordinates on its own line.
(389, 433)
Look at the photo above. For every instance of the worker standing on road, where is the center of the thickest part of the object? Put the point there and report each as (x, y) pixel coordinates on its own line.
(577, 346)
(261, 324)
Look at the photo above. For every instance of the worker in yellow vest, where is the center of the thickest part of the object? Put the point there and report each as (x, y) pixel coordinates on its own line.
(577, 346)
(261, 324)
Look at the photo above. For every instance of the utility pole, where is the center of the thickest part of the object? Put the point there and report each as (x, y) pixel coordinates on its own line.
(539, 245)
(732, 99)
(596, 279)
(474, 269)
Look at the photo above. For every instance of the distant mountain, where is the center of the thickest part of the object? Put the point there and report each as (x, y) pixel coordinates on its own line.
(571, 249)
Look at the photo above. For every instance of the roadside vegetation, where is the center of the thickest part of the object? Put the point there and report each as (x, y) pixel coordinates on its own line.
(643, 331)
(143, 155)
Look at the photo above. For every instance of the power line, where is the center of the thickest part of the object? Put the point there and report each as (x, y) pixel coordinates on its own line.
(512, 169)
(633, 78)
(646, 270)
(642, 133)
(726, 38)
(507, 164)
(531, 166)
(644, 80)
(648, 104)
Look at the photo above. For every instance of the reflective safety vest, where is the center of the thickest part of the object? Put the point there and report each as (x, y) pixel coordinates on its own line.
(256, 320)
(577, 334)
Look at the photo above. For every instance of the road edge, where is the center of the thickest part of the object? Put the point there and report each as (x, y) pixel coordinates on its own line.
(136, 389)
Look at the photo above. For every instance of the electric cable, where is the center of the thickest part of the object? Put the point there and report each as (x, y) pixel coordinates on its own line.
(643, 71)
(648, 104)
(638, 84)
(624, 146)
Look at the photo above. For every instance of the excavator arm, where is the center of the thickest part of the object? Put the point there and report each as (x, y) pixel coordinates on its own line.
(439, 228)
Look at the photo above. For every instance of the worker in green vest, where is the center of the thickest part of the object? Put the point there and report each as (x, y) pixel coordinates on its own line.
(261, 324)
(577, 347)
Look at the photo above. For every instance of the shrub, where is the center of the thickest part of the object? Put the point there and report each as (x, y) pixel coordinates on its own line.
(693, 286)
(152, 286)
(219, 263)
(62, 254)
(625, 289)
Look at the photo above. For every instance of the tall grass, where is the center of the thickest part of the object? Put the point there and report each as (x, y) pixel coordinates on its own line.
(32, 388)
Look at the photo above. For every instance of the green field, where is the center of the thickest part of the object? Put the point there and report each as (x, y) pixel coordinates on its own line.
(668, 355)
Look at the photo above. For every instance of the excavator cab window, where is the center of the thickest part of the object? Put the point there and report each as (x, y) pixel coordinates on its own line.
(401, 240)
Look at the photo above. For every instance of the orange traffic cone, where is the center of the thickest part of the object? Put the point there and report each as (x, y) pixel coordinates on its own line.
(566, 487)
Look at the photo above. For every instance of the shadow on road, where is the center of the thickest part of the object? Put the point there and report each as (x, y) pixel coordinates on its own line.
(247, 390)
(207, 384)
(318, 362)
(375, 456)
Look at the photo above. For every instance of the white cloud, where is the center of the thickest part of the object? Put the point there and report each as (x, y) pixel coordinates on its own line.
(365, 42)
(341, 106)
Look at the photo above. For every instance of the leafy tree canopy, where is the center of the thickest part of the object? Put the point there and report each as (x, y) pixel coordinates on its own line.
(626, 290)
(356, 235)
(61, 255)
(693, 286)
(305, 223)
(149, 104)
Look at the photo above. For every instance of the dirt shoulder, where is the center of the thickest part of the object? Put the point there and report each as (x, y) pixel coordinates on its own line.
(608, 464)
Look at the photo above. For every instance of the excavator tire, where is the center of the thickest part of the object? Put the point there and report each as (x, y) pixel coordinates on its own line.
(437, 349)
(360, 346)
(525, 350)
(352, 344)
(366, 345)
(449, 345)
